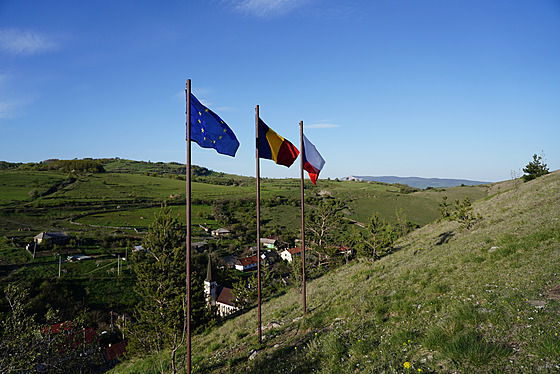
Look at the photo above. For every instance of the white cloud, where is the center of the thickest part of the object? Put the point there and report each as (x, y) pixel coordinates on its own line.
(25, 42)
(322, 126)
(267, 8)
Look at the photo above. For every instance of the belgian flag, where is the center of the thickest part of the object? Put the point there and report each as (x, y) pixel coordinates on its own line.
(274, 147)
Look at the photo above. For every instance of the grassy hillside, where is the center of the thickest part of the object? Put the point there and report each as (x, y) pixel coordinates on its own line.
(17, 186)
(448, 300)
(48, 200)
(420, 207)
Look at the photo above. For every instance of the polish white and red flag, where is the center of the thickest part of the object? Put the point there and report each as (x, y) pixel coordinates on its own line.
(312, 160)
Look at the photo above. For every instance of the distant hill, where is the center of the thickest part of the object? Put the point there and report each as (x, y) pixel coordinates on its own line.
(417, 182)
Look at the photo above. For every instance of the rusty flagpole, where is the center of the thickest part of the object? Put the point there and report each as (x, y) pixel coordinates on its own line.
(188, 239)
(258, 226)
(302, 221)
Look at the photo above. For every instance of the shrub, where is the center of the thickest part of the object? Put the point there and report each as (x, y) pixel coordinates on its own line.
(534, 169)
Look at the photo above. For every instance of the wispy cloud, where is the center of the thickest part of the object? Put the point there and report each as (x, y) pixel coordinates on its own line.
(322, 126)
(6, 107)
(267, 8)
(21, 42)
(6, 110)
(11, 99)
(12, 108)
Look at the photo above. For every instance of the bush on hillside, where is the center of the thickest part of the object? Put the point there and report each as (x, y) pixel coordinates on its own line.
(534, 169)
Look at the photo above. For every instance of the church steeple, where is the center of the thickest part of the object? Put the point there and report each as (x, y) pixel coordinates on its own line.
(210, 285)
(209, 272)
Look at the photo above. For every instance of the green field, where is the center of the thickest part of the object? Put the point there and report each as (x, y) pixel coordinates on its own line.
(127, 187)
(16, 186)
(129, 199)
(201, 214)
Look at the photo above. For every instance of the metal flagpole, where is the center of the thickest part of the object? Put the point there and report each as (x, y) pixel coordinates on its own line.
(258, 226)
(188, 249)
(302, 220)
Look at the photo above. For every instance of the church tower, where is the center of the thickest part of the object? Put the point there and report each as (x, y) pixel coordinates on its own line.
(210, 285)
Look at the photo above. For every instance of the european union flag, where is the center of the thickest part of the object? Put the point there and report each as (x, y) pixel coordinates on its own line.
(209, 131)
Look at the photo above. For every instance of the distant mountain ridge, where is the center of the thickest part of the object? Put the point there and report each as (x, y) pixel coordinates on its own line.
(417, 182)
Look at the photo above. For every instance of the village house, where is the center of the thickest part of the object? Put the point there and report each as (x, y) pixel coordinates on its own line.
(72, 337)
(291, 253)
(55, 237)
(269, 242)
(78, 258)
(229, 261)
(273, 242)
(246, 263)
(220, 232)
(269, 257)
(199, 246)
(113, 351)
(222, 297)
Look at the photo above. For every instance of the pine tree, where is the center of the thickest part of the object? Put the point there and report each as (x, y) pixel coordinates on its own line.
(377, 237)
(534, 169)
(161, 315)
(444, 207)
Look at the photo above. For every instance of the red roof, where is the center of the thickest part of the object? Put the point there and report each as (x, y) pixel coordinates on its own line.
(226, 297)
(248, 260)
(74, 337)
(296, 250)
(115, 350)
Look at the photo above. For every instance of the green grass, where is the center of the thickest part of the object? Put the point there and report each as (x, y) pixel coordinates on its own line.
(16, 185)
(485, 300)
(128, 187)
(419, 207)
(200, 214)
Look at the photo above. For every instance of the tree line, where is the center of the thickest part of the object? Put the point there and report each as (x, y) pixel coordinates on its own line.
(68, 166)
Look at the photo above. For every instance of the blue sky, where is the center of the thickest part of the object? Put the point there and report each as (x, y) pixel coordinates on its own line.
(430, 88)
